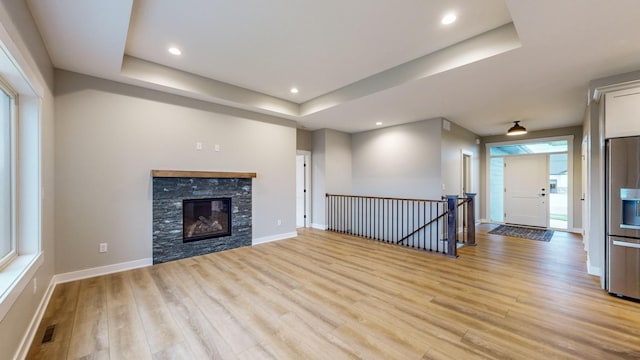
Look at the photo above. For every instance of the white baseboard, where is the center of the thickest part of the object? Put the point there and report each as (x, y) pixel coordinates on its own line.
(585, 241)
(593, 270)
(101, 270)
(266, 239)
(27, 339)
(577, 231)
(319, 226)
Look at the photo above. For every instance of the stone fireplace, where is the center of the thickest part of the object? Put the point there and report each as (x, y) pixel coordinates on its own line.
(196, 213)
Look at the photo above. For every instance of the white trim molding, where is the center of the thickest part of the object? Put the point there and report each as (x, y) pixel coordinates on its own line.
(28, 337)
(593, 270)
(15, 278)
(319, 226)
(266, 239)
(101, 270)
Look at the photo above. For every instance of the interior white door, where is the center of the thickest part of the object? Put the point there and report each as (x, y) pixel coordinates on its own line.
(300, 191)
(526, 190)
(585, 191)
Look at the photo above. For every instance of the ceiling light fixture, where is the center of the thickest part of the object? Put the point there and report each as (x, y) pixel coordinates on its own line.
(379, 123)
(294, 90)
(449, 19)
(517, 129)
(174, 51)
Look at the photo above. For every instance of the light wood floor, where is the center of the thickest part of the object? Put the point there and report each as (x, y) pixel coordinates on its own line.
(328, 296)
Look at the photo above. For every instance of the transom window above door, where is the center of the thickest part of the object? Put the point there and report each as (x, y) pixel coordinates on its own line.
(543, 147)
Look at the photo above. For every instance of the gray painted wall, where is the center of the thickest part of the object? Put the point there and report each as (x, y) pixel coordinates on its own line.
(407, 161)
(318, 187)
(330, 169)
(454, 142)
(338, 162)
(16, 19)
(303, 140)
(399, 161)
(110, 136)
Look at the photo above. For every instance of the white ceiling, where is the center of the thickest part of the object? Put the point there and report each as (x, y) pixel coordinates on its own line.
(356, 62)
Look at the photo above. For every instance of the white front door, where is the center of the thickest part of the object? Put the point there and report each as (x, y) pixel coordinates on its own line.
(526, 190)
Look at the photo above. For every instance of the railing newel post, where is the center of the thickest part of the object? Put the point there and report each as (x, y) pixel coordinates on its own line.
(471, 219)
(452, 226)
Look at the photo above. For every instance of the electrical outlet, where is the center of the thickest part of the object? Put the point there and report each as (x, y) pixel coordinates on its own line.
(198, 146)
(279, 222)
(103, 247)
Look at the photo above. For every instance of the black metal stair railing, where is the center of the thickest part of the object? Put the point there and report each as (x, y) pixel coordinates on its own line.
(416, 223)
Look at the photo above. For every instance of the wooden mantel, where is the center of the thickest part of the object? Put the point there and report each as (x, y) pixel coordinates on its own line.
(201, 174)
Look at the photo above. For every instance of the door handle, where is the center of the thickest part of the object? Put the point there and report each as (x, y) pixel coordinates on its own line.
(626, 244)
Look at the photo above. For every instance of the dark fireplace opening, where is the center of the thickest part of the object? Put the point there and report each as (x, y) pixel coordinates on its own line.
(205, 218)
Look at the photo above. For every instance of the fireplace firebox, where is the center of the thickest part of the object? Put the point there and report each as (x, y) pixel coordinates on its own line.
(205, 218)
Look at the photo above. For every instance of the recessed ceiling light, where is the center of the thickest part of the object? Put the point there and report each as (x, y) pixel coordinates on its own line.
(174, 50)
(379, 123)
(449, 19)
(294, 90)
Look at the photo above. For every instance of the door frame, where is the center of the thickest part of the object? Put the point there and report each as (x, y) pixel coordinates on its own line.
(585, 191)
(570, 153)
(466, 154)
(307, 186)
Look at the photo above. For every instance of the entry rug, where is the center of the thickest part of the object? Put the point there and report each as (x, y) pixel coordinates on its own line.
(522, 232)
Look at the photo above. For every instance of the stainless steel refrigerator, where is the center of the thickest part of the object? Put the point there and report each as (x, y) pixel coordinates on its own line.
(623, 217)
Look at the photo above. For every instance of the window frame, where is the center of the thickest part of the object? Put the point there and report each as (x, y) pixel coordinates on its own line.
(13, 116)
(18, 70)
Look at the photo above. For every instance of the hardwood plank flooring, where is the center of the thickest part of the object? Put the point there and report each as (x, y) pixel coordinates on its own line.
(324, 295)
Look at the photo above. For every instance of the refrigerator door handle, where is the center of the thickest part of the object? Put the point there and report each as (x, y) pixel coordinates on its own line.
(626, 244)
(625, 226)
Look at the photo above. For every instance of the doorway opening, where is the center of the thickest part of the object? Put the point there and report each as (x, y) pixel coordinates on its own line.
(530, 182)
(466, 172)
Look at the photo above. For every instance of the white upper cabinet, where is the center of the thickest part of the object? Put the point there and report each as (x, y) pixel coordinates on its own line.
(622, 113)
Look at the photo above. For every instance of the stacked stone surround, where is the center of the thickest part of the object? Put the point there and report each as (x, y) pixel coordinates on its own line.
(168, 194)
